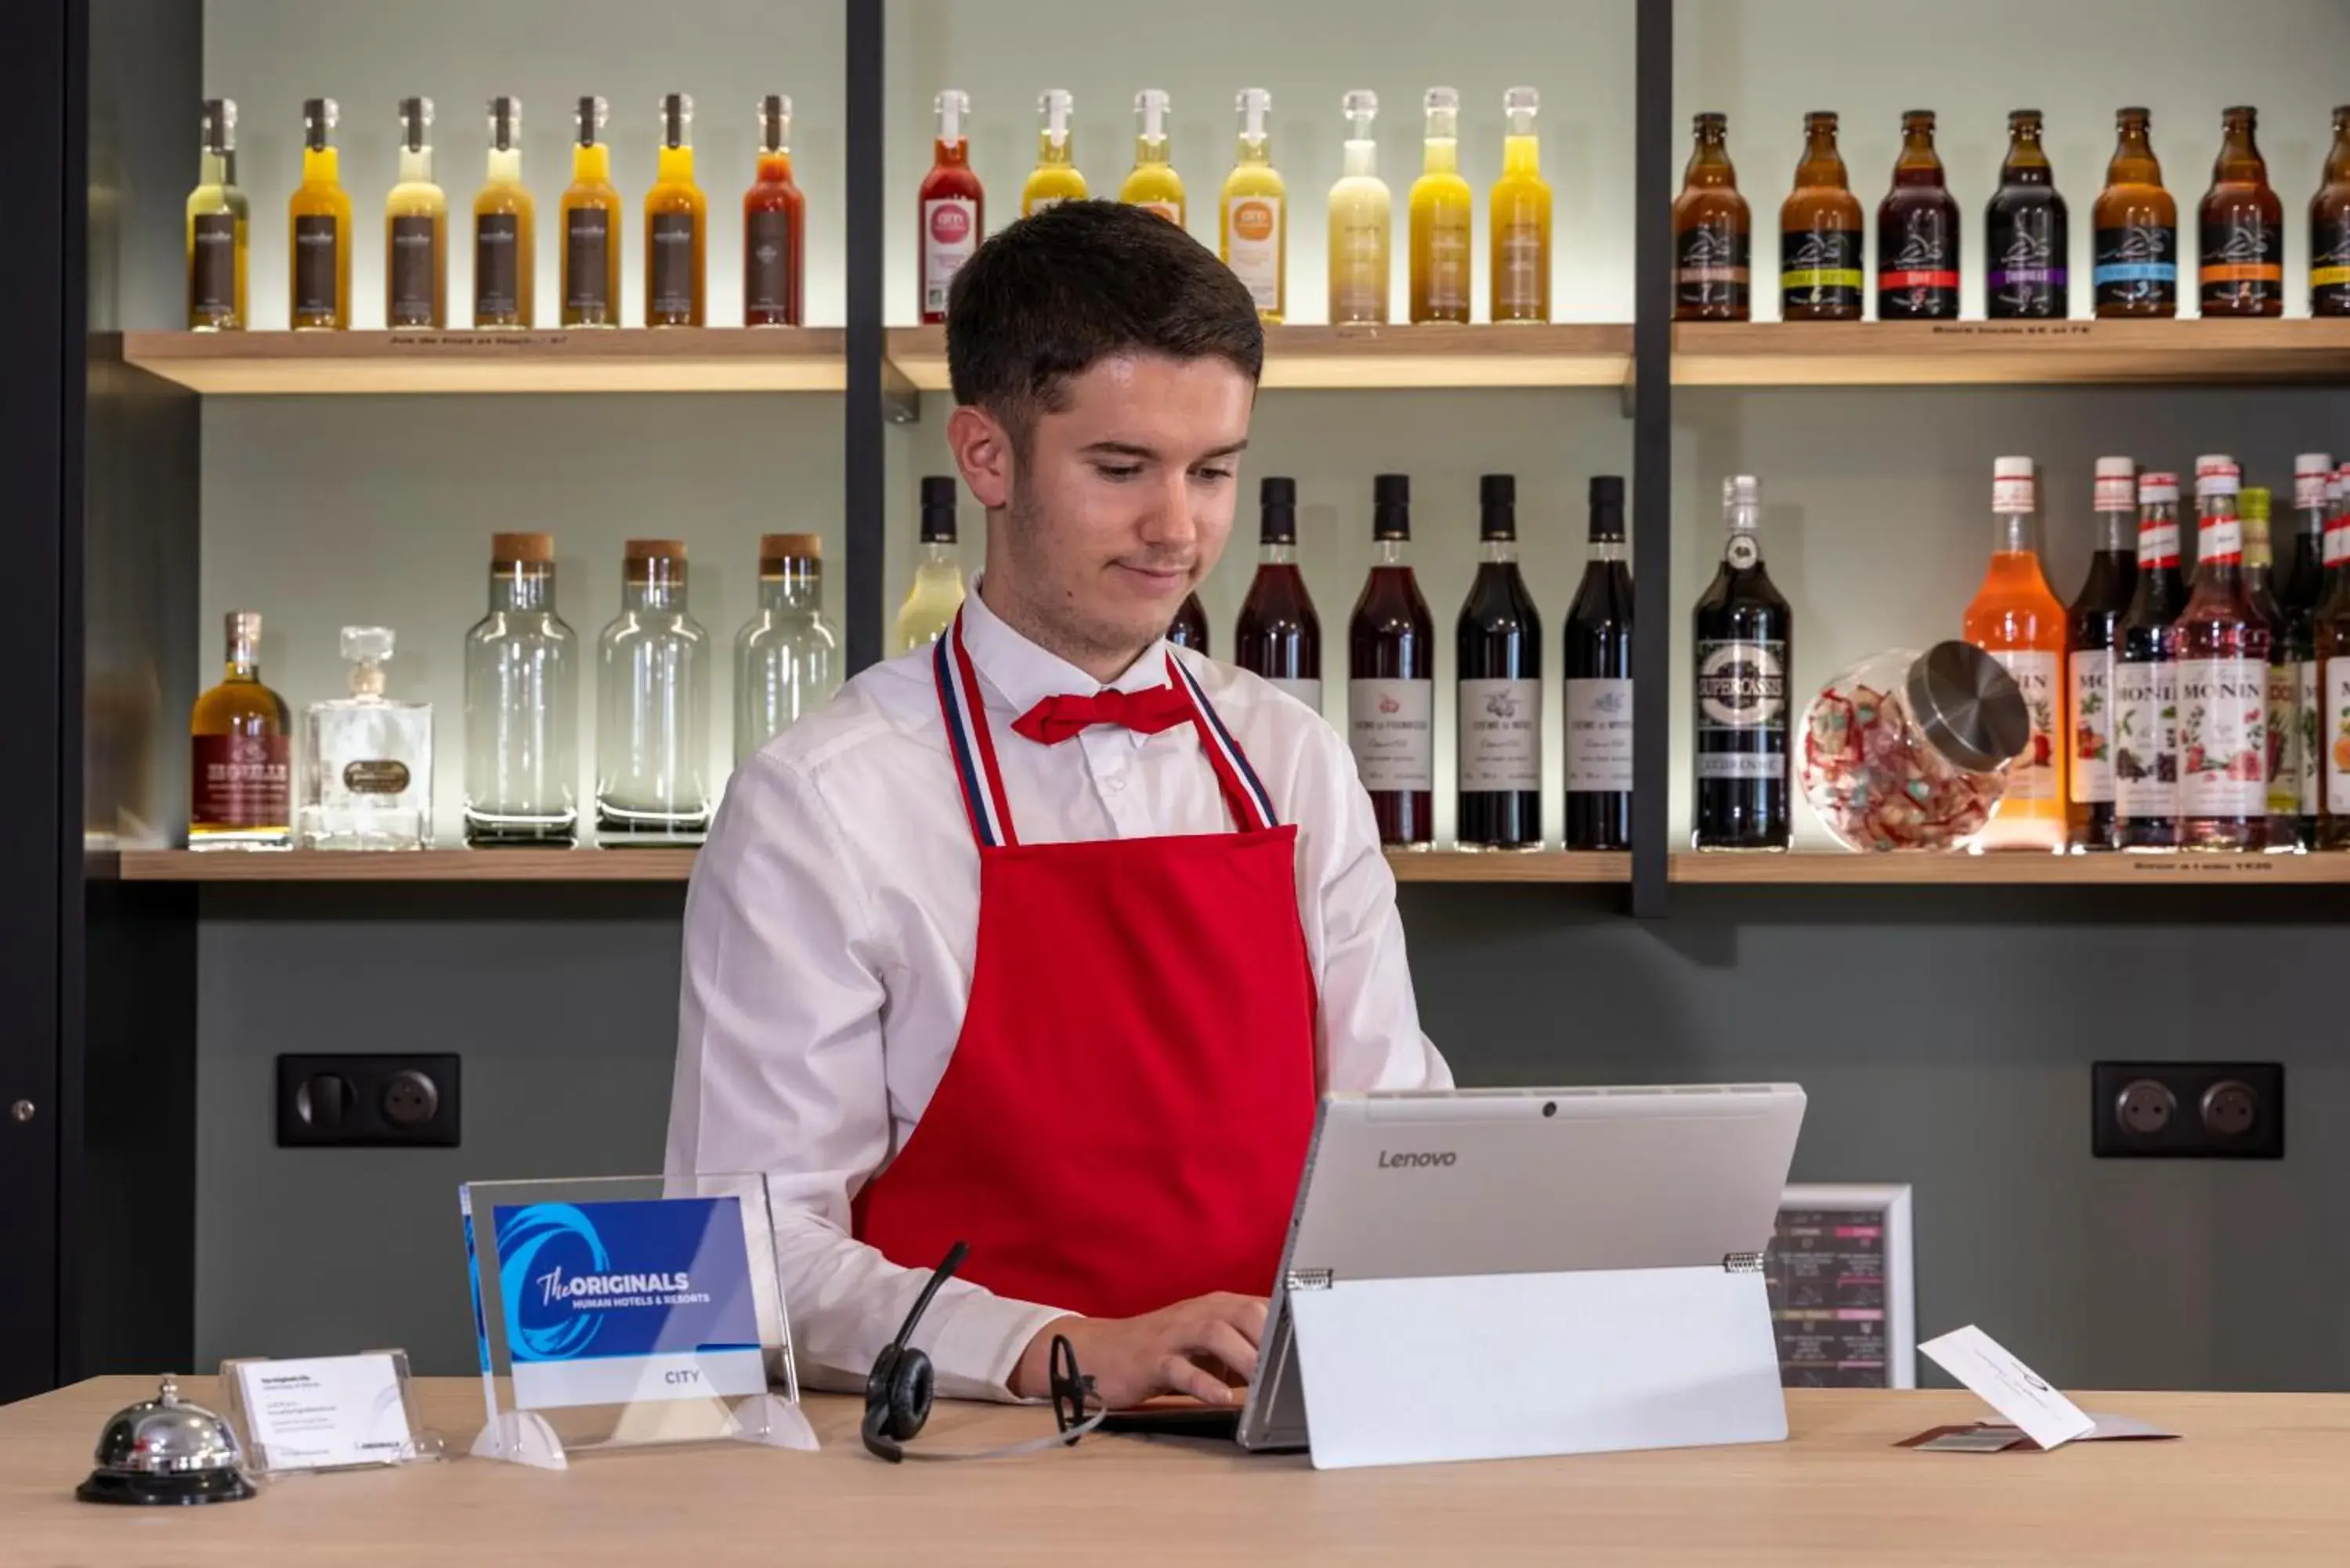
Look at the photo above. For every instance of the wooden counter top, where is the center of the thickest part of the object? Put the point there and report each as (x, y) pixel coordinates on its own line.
(2259, 1478)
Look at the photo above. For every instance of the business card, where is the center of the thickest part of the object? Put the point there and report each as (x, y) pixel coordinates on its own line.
(2009, 1386)
(325, 1411)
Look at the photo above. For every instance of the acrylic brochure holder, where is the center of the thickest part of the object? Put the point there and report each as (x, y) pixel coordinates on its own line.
(623, 1312)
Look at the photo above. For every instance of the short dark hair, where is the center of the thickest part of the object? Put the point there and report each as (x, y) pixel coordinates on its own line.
(1051, 295)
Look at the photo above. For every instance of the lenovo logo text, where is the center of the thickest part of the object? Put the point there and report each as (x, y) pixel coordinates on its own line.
(1390, 1161)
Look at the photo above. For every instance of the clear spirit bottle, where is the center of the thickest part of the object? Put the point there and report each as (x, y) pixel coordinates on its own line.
(238, 768)
(522, 706)
(652, 713)
(367, 759)
(788, 659)
(936, 596)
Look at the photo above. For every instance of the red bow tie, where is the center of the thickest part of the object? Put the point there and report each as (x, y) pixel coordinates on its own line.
(1149, 710)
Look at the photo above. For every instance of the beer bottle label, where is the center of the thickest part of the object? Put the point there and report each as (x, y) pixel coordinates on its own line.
(2243, 261)
(2024, 252)
(1820, 269)
(497, 266)
(1917, 267)
(212, 268)
(2329, 264)
(2137, 265)
(415, 245)
(1713, 269)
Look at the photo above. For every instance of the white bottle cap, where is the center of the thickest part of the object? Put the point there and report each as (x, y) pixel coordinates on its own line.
(2157, 489)
(2215, 463)
(2012, 486)
(2117, 467)
(2116, 484)
(2313, 462)
(2011, 468)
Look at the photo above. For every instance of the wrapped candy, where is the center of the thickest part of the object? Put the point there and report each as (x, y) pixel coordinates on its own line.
(1909, 751)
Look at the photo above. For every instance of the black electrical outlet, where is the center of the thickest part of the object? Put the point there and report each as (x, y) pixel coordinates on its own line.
(361, 1101)
(2186, 1110)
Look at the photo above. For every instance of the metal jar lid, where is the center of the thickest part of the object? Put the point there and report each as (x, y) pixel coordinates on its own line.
(1969, 707)
(166, 1450)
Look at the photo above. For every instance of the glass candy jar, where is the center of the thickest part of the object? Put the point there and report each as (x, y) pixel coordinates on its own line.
(1909, 750)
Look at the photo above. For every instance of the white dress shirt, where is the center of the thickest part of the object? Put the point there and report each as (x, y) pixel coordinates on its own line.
(829, 932)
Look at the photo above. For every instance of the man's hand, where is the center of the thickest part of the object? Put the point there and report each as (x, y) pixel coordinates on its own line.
(1187, 1348)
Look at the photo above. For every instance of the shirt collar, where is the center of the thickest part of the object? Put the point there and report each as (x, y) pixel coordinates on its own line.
(1022, 674)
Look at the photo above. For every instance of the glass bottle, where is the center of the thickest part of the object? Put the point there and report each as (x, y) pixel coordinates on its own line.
(1499, 700)
(1391, 679)
(951, 207)
(1597, 664)
(522, 706)
(2092, 628)
(676, 225)
(1441, 217)
(2300, 588)
(2242, 225)
(220, 225)
(1252, 232)
(936, 596)
(652, 707)
(1361, 221)
(1278, 636)
(2136, 228)
(591, 226)
(505, 246)
(367, 759)
(1918, 237)
(2329, 227)
(2145, 678)
(1152, 183)
(774, 221)
(1054, 180)
(1745, 645)
(416, 230)
(1712, 233)
(2280, 768)
(319, 215)
(2223, 654)
(239, 770)
(2016, 619)
(787, 656)
(1518, 217)
(1821, 274)
(2027, 241)
(1190, 627)
(2330, 649)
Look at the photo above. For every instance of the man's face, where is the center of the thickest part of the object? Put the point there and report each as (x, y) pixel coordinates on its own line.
(1125, 498)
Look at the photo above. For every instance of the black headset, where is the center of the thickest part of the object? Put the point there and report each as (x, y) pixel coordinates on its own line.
(898, 1390)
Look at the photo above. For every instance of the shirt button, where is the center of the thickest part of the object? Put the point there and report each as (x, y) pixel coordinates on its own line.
(1117, 784)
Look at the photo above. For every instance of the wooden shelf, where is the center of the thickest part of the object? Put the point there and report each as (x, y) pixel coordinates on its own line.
(1379, 359)
(1508, 865)
(2009, 353)
(1830, 866)
(679, 359)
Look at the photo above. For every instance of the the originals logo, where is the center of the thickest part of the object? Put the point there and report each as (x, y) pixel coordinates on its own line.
(1390, 1161)
(554, 1287)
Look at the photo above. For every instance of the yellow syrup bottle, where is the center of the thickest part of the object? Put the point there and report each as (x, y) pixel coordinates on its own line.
(506, 255)
(319, 220)
(590, 213)
(1441, 208)
(1152, 182)
(1518, 217)
(1054, 180)
(676, 225)
(220, 222)
(1360, 222)
(416, 230)
(1253, 232)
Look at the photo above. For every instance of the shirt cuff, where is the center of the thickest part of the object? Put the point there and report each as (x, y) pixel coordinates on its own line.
(980, 1343)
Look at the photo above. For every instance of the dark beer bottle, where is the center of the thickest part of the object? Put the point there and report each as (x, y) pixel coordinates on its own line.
(1821, 229)
(2243, 227)
(1917, 232)
(1745, 647)
(2136, 224)
(2329, 228)
(2026, 237)
(1712, 233)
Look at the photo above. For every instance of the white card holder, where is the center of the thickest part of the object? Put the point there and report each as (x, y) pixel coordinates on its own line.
(318, 1414)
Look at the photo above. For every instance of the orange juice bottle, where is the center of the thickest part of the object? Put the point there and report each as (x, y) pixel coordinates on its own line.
(2016, 619)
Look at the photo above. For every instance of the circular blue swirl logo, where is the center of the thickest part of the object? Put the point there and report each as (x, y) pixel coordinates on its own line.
(540, 1249)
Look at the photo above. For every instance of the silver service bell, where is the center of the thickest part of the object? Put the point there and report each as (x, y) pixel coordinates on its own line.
(166, 1450)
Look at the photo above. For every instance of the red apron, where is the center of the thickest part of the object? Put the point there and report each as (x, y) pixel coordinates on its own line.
(1127, 1112)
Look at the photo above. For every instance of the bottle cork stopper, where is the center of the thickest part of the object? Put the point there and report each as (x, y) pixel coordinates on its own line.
(654, 550)
(522, 547)
(780, 547)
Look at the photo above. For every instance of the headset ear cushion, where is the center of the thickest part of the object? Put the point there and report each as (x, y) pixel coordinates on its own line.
(910, 1383)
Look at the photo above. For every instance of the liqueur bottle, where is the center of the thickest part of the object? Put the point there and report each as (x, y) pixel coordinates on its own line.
(522, 706)
(367, 759)
(2092, 628)
(1054, 180)
(1499, 701)
(319, 215)
(2329, 227)
(1597, 660)
(2016, 619)
(1391, 679)
(1712, 233)
(787, 656)
(937, 591)
(2300, 588)
(2223, 654)
(1252, 229)
(2136, 224)
(1360, 222)
(2027, 238)
(1279, 637)
(1152, 183)
(239, 768)
(2242, 226)
(676, 225)
(591, 227)
(1518, 217)
(952, 211)
(775, 223)
(652, 713)
(2330, 639)
(1745, 647)
(220, 226)
(505, 253)
(416, 230)
(2280, 769)
(1441, 217)
(1190, 627)
(1820, 274)
(1917, 232)
(2145, 678)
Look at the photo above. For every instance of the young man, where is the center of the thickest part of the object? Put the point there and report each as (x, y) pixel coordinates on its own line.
(1047, 937)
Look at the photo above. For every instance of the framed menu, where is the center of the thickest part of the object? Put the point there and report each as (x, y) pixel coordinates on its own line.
(1843, 1288)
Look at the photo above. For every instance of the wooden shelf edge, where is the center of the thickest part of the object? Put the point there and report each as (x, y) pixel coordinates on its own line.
(1508, 865)
(1830, 867)
(691, 359)
(2010, 353)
